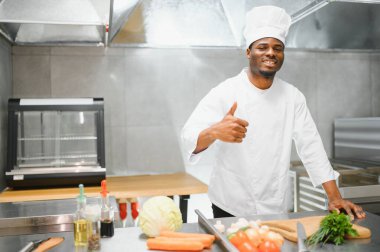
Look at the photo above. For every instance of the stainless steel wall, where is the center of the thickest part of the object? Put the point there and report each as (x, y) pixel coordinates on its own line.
(149, 93)
(5, 93)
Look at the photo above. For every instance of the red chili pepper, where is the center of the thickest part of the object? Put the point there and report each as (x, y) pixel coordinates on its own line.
(135, 211)
(123, 210)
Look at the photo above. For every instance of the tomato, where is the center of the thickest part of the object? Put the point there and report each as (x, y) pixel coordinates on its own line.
(253, 236)
(247, 247)
(276, 238)
(268, 246)
(234, 240)
(238, 238)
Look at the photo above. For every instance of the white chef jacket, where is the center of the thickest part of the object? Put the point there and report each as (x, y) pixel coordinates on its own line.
(252, 177)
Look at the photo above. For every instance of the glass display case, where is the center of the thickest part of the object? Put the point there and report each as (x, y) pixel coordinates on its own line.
(55, 142)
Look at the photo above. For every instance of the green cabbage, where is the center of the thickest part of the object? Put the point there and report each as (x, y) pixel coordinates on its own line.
(159, 213)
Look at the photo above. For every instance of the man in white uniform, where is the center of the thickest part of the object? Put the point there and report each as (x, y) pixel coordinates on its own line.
(252, 119)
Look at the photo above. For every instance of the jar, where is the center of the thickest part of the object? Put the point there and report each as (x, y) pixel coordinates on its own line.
(93, 217)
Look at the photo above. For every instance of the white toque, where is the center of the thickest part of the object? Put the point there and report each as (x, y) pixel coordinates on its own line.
(264, 22)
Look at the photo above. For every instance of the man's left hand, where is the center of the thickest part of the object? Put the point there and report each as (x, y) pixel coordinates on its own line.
(349, 207)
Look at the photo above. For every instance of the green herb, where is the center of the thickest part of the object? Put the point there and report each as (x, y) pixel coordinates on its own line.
(333, 228)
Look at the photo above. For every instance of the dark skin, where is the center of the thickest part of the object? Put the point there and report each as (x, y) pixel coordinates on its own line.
(266, 57)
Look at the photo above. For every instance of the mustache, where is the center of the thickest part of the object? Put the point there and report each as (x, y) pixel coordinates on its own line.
(272, 59)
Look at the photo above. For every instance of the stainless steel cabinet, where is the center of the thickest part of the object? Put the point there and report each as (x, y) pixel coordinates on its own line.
(360, 185)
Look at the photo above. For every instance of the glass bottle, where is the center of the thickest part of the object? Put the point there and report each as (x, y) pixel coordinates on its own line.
(93, 216)
(106, 213)
(82, 227)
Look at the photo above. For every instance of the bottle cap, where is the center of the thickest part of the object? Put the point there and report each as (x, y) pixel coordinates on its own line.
(104, 188)
(81, 197)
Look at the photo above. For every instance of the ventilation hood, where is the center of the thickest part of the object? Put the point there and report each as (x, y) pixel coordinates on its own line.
(54, 21)
(339, 25)
(317, 24)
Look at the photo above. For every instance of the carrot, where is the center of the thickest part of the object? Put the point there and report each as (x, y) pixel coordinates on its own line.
(174, 244)
(51, 243)
(204, 240)
(184, 235)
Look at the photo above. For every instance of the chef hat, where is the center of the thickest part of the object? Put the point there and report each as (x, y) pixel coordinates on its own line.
(264, 22)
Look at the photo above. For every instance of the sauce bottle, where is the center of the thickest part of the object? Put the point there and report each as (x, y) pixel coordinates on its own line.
(106, 213)
(82, 227)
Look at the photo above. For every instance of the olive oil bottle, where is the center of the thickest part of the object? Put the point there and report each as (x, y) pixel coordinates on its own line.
(82, 227)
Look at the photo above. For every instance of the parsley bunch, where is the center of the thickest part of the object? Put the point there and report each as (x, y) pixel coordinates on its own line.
(333, 228)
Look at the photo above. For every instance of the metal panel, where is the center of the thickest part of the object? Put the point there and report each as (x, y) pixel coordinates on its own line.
(42, 216)
(53, 33)
(357, 139)
(222, 239)
(195, 23)
(47, 22)
(338, 25)
(74, 12)
(294, 190)
(361, 186)
(343, 24)
(120, 11)
(177, 23)
(311, 198)
(306, 196)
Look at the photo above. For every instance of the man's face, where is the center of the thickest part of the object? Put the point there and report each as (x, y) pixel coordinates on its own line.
(266, 56)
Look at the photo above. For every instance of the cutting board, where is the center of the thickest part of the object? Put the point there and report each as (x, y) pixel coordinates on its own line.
(288, 228)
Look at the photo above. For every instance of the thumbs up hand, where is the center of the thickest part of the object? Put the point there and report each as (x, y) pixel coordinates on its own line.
(232, 109)
(230, 129)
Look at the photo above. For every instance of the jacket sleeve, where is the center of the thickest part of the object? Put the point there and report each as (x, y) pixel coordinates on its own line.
(208, 112)
(309, 144)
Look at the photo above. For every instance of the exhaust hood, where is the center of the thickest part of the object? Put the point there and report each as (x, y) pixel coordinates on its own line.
(317, 24)
(339, 25)
(54, 21)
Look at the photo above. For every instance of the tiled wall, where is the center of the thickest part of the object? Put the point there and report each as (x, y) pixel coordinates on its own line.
(149, 93)
(5, 93)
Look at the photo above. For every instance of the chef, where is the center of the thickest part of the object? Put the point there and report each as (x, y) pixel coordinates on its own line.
(251, 120)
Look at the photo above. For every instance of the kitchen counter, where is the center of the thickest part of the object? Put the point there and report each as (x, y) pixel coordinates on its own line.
(121, 187)
(131, 239)
(44, 216)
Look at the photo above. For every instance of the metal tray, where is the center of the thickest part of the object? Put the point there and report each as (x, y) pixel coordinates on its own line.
(220, 238)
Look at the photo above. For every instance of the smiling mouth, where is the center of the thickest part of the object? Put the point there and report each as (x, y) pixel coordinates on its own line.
(270, 63)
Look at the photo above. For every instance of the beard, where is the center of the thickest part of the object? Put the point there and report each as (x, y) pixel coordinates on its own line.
(267, 74)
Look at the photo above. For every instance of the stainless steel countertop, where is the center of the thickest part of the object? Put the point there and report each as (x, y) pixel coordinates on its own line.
(45, 207)
(372, 222)
(131, 239)
(21, 218)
